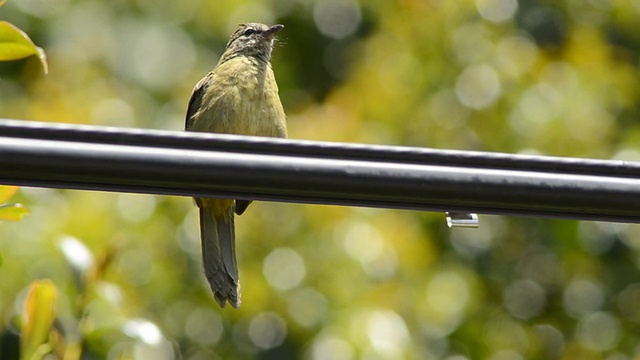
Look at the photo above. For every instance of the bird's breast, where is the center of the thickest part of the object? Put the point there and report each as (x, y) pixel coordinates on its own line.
(244, 100)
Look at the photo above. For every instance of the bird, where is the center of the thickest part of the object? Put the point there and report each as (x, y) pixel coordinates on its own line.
(239, 96)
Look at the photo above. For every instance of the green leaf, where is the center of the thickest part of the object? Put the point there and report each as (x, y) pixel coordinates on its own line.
(6, 192)
(38, 317)
(15, 44)
(13, 212)
(0, 253)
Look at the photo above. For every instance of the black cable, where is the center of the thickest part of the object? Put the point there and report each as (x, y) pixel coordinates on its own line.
(304, 148)
(177, 163)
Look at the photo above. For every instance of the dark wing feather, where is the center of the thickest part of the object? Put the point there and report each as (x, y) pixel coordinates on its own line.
(241, 206)
(196, 100)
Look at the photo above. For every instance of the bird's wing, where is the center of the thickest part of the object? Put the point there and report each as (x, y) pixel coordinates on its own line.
(196, 100)
(241, 206)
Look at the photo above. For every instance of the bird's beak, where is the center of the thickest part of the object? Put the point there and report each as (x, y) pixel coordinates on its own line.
(272, 31)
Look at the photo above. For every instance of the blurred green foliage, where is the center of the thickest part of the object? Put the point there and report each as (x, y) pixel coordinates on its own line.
(37, 321)
(320, 282)
(15, 44)
(13, 212)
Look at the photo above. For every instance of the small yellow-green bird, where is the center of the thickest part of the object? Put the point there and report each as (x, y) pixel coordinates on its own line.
(240, 96)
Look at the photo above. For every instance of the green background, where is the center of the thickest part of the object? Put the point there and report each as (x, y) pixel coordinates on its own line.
(322, 282)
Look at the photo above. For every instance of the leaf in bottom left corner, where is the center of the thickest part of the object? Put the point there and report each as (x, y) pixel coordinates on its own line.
(38, 317)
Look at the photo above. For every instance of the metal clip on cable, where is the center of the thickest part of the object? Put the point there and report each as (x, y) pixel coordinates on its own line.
(462, 220)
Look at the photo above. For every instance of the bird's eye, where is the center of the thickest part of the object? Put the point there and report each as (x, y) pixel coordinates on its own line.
(249, 32)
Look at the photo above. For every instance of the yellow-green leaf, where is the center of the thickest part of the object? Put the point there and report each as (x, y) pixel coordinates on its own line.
(38, 317)
(15, 44)
(14, 212)
(2, 2)
(6, 192)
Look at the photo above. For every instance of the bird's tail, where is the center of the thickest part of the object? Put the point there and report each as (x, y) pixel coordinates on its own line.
(219, 256)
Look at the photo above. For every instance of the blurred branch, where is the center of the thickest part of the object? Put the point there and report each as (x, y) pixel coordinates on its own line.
(196, 164)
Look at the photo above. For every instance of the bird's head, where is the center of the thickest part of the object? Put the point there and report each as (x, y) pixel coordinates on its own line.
(252, 39)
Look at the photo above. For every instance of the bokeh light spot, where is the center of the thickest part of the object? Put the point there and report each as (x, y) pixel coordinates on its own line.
(110, 292)
(113, 112)
(448, 293)
(204, 326)
(267, 330)
(472, 43)
(515, 55)
(136, 208)
(362, 241)
(549, 340)
(365, 243)
(524, 299)
(337, 18)
(284, 268)
(387, 333)
(629, 302)
(445, 105)
(582, 296)
(505, 355)
(143, 330)
(307, 306)
(76, 253)
(42, 8)
(538, 106)
(250, 12)
(503, 332)
(599, 331)
(330, 347)
(497, 10)
(478, 86)
(158, 56)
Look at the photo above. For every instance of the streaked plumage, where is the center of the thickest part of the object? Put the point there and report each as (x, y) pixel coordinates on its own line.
(240, 96)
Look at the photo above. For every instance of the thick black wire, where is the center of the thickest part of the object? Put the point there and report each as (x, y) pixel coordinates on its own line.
(161, 162)
(317, 149)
